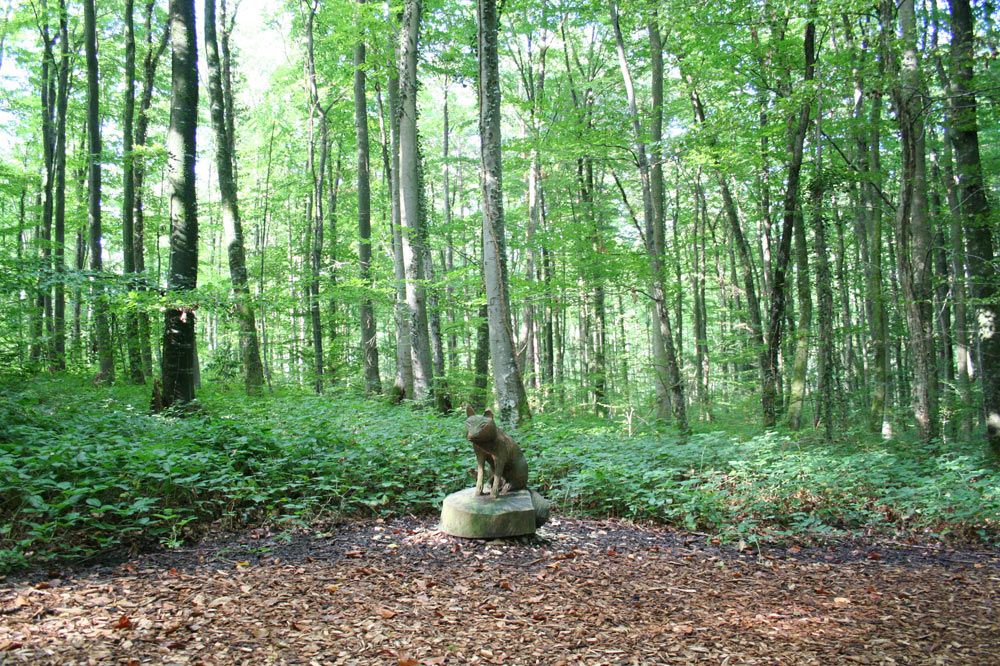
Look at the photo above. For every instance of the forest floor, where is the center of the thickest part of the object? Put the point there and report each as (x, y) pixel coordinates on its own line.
(580, 592)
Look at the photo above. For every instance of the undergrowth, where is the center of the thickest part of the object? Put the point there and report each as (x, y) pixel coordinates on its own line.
(84, 470)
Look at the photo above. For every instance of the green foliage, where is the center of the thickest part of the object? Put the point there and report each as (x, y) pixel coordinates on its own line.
(83, 470)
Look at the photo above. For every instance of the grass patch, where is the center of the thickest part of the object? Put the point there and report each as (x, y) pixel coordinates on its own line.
(84, 469)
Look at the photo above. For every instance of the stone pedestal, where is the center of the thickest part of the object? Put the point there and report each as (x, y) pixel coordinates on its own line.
(465, 514)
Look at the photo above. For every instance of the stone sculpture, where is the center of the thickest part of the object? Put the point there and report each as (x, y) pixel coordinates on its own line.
(507, 508)
(493, 445)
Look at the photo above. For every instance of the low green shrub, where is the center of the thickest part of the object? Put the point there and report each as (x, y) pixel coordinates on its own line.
(84, 469)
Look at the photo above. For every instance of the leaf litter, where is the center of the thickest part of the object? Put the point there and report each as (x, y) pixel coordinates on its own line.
(579, 592)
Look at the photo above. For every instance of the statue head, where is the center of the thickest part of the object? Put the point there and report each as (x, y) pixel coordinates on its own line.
(480, 428)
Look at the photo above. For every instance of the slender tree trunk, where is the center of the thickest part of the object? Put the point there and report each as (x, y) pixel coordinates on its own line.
(178, 365)
(824, 292)
(676, 387)
(59, 212)
(369, 337)
(481, 365)
(42, 323)
(912, 229)
(797, 391)
(403, 379)
(979, 225)
(511, 397)
(150, 63)
(776, 313)
(232, 225)
(135, 372)
(661, 365)
(102, 323)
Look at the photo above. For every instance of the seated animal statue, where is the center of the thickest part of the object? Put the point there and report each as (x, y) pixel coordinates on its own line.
(493, 445)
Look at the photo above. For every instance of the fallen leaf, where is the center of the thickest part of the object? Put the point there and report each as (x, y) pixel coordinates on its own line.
(386, 614)
(507, 586)
(841, 601)
(124, 622)
(434, 661)
(406, 660)
(44, 585)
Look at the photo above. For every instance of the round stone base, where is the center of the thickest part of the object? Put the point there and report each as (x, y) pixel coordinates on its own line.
(465, 514)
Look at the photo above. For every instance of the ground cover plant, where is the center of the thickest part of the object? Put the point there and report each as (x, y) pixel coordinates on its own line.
(85, 470)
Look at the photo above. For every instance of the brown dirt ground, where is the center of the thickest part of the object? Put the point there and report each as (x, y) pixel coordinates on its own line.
(581, 592)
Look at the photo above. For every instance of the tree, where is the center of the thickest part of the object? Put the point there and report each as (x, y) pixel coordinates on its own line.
(912, 227)
(655, 254)
(776, 312)
(105, 349)
(977, 214)
(511, 397)
(411, 222)
(178, 366)
(224, 145)
(369, 338)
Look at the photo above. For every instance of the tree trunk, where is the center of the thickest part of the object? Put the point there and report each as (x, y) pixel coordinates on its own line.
(369, 337)
(511, 397)
(979, 226)
(796, 394)
(249, 349)
(402, 386)
(59, 240)
(102, 323)
(178, 365)
(150, 62)
(912, 228)
(676, 386)
(661, 366)
(409, 209)
(824, 293)
(42, 328)
(776, 313)
(135, 372)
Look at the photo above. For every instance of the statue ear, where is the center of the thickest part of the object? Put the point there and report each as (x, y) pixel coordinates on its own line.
(469, 411)
(488, 413)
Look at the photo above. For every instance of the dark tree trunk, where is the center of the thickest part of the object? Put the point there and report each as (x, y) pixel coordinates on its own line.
(776, 313)
(105, 349)
(135, 372)
(178, 366)
(369, 337)
(59, 194)
(979, 227)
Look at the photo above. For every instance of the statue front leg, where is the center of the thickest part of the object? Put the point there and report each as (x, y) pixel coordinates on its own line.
(498, 467)
(480, 471)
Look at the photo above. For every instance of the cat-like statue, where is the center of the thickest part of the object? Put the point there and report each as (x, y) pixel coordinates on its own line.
(508, 467)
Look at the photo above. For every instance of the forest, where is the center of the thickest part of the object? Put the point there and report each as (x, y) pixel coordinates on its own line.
(731, 268)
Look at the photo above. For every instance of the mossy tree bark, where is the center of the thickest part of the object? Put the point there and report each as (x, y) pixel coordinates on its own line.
(511, 397)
